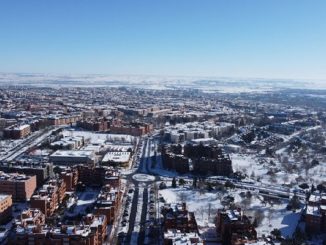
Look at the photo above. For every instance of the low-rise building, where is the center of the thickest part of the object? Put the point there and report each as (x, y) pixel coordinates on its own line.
(72, 157)
(117, 158)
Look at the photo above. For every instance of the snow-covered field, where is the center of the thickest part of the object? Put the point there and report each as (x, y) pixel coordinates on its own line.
(96, 137)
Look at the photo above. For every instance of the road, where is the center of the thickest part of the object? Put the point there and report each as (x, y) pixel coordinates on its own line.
(142, 179)
(33, 140)
(138, 230)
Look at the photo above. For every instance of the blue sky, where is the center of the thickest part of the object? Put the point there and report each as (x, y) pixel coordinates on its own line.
(243, 38)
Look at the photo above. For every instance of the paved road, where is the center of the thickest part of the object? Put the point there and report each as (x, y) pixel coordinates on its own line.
(132, 217)
(34, 139)
(141, 186)
(141, 236)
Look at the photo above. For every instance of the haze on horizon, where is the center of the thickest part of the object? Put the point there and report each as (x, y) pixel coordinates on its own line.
(269, 39)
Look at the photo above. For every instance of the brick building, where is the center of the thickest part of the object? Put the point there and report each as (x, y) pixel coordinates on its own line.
(30, 217)
(20, 186)
(98, 124)
(91, 231)
(234, 227)
(17, 132)
(174, 237)
(5, 208)
(177, 217)
(199, 158)
(134, 129)
(70, 177)
(315, 215)
(176, 162)
(98, 176)
(208, 159)
(108, 202)
(42, 171)
(49, 197)
(58, 120)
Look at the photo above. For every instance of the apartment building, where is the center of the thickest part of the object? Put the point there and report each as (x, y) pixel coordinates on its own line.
(57, 120)
(97, 124)
(49, 197)
(70, 177)
(17, 132)
(20, 186)
(108, 202)
(315, 215)
(134, 129)
(177, 217)
(92, 230)
(234, 227)
(197, 157)
(98, 176)
(30, 217)
(42, 171)
(174, 237)
(5, 207)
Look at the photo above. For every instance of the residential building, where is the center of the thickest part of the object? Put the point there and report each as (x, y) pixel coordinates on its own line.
(315, 215)
(20, 186)
(5, 207)
(234, 227)
(49, 197)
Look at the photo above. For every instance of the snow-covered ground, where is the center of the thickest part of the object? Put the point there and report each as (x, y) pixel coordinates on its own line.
(143, 177)
(85, 199)
(247, 164)
(96, 137)
(205, 205)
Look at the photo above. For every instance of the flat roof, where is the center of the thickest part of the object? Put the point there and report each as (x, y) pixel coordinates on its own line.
(117, 156)
(3, 196)
(73, 153)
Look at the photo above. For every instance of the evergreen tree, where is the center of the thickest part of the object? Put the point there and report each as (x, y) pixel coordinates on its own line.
(174, 183)
(194, 183)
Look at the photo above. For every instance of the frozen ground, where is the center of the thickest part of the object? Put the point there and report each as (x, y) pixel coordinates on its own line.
(85, 199)
(96, 137)
(143, 177)
(205, 204)
(223, 84)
